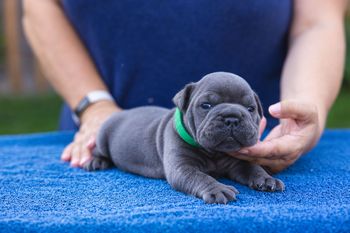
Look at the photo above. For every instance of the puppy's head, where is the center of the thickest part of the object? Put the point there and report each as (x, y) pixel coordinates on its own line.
(221, 112)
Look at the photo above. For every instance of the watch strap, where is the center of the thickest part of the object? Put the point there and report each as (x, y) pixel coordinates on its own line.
(90, 98)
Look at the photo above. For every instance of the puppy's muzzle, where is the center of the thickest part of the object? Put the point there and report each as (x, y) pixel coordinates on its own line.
(233, 119)
(232, 122)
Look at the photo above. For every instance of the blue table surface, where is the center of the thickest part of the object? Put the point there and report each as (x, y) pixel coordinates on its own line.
(43, 194)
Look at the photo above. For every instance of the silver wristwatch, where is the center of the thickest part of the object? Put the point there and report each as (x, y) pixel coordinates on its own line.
(90, 98)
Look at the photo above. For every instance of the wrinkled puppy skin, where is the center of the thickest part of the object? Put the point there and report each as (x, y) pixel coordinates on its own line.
(222, 114)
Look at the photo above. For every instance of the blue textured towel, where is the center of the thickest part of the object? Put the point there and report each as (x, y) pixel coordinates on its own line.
(40, 193)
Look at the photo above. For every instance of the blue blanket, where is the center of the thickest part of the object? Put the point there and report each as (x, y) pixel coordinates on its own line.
(40, 193)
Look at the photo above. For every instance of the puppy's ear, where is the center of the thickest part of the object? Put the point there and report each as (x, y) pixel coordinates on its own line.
(182, 98)
(258, 103)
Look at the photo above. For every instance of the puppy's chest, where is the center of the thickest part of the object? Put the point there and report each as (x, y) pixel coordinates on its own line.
(219, 165)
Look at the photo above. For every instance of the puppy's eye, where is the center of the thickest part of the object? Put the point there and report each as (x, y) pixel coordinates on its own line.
(206, 106)
(251, 109)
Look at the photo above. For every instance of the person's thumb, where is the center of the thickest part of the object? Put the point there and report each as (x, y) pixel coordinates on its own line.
(293, 110)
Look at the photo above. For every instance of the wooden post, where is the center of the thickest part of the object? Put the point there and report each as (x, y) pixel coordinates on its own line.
(13, 57)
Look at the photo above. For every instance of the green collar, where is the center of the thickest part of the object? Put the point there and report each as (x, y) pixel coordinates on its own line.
(181, 130)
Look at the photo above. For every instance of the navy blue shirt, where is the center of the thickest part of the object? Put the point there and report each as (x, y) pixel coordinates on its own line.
(146, 51)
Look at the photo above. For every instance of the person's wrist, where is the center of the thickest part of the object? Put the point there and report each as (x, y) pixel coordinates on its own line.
(104, 107)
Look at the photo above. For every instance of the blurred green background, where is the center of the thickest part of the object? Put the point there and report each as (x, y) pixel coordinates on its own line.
(32, 112)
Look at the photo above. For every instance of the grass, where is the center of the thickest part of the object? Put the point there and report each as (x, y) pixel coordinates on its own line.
(347, 62)
(28, 114)
(339, 116)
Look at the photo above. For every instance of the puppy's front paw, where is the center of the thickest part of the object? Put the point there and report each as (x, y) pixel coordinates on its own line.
(220, 194)
(267, 184)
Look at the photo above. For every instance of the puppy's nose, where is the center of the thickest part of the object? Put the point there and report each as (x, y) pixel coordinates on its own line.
(231, 121)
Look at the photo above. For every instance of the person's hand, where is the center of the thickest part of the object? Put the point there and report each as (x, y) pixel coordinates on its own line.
(298, 131)
(79, 151)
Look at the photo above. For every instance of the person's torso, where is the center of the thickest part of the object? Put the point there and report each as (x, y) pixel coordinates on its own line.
(146, 51)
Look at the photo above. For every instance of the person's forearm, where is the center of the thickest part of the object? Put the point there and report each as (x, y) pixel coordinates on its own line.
(64, 59)
(314, 66)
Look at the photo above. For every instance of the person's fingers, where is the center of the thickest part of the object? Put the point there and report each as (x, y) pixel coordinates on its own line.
(262, 126)
(294, 110)
(66, 154)
(276, 168)
(280, 147)
(80, 150)
(273, 165)
(271, 149)
(76, 148)
(244, 157)
(274, 133)
(251, 157)
(257, 160)
(76, 153)
(85, 155)
(86, 151)
(91, 142)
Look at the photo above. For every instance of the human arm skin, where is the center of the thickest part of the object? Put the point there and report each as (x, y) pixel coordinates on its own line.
(68, 68)
(311, 80)
(314, 67)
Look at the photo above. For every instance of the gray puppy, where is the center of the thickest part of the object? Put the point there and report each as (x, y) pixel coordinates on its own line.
(187, 145)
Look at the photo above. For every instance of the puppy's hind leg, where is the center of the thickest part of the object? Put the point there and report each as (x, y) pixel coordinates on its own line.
(97, 163)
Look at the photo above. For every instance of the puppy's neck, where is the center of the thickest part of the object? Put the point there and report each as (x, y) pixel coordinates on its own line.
(181, 129)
